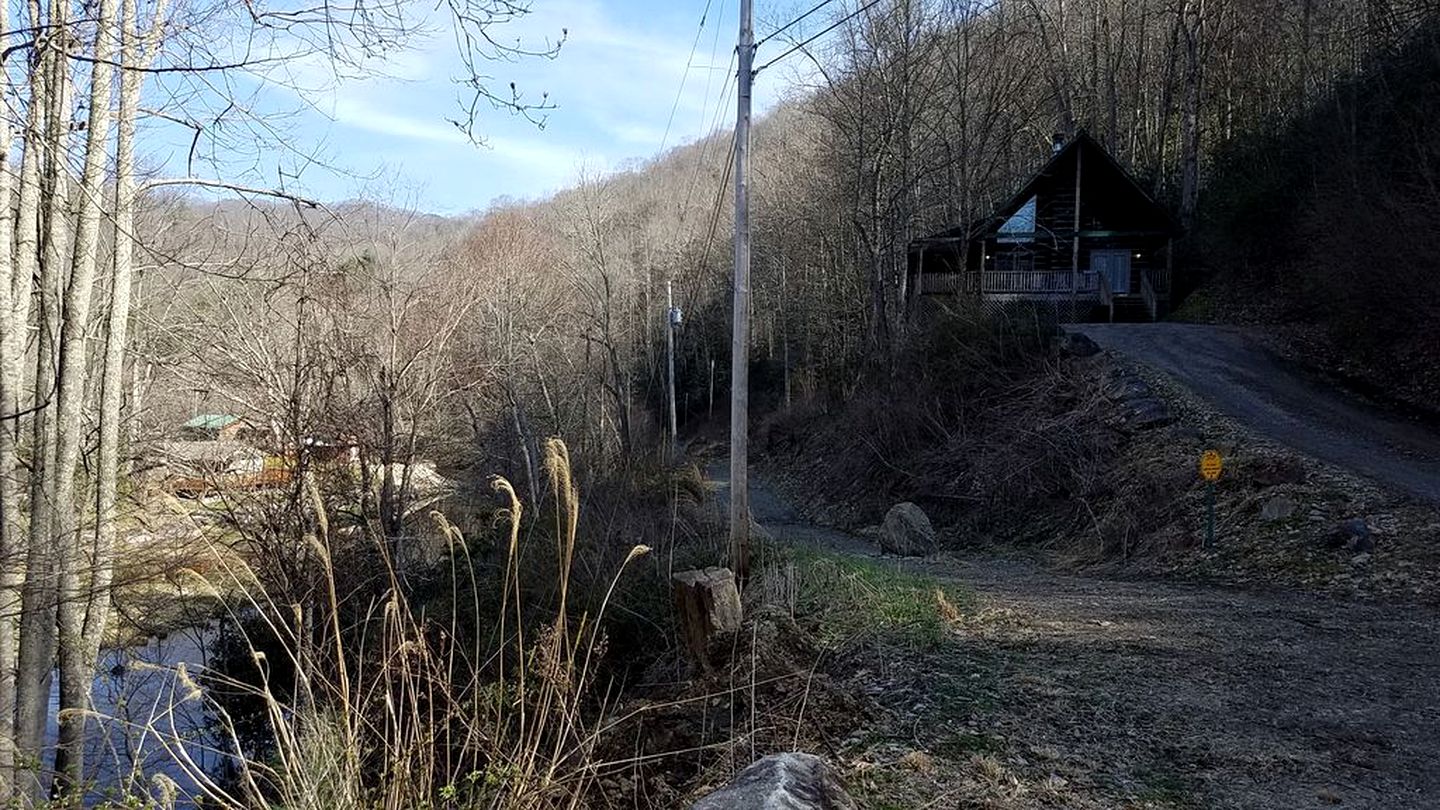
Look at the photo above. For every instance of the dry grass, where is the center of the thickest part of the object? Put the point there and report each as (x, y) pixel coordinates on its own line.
(401, 710)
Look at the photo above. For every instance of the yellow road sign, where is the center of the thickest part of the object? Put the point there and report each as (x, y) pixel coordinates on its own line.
(1210, 465)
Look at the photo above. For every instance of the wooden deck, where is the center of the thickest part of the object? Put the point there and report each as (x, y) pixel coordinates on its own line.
(1030, 282)
(1149, 289)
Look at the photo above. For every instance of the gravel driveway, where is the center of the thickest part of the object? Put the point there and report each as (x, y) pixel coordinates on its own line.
(1229, 369)
(1164, 694)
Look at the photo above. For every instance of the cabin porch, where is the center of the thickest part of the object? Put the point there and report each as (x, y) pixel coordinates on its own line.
(1147, 297)
(1118, 278)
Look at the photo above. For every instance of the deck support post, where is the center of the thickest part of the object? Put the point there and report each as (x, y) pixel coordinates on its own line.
(1075, 246)
(1167, 286)
(919, 279)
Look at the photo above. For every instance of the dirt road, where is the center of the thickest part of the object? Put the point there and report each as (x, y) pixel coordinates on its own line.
(1226, 367)
(1159, 694)
(1241, 700)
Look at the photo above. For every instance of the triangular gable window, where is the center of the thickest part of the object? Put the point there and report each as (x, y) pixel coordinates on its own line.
(1021, 226)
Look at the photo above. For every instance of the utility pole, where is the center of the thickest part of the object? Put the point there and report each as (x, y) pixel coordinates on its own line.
(672, 322)
(740, 339)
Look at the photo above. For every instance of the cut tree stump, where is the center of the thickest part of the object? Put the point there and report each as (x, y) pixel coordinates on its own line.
(707, 604)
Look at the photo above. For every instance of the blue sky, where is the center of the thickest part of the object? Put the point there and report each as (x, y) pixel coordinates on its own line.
(613, 83)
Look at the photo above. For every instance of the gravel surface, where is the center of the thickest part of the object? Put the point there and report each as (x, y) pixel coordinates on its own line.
(1161, 694)
(1228, 368)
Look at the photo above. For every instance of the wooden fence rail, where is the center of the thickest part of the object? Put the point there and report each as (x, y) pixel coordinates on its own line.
(1021, 282)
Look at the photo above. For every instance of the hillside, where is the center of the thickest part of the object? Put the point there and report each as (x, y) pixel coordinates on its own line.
(1322, 226)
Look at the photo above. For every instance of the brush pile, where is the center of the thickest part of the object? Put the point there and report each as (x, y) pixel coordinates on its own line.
(983, 423)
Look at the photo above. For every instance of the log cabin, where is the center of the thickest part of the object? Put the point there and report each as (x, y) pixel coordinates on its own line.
(1081, 235)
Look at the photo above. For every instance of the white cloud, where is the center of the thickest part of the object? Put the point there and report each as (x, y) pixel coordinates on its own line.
(547, 165)
(613, 86)
(362, 111)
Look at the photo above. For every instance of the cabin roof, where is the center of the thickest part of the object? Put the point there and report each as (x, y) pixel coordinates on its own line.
(1059, 164)
(211, 421)
(1048, 174)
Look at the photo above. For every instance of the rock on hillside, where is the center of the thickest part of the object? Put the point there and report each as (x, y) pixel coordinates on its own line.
(790, 781)
(907, 531)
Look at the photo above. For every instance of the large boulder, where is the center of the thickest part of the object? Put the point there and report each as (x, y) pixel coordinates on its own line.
(1352, 535)
(1124, 385)
(907, 531)
(791, 781)
(1147, 413)
(1272, 472)
(1358, 536)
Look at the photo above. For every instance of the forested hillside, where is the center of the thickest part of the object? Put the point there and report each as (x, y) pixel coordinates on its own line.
(1323, 222)
(926, 116)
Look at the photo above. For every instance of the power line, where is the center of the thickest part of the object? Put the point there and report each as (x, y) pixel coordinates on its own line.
(689, 61)
(707, 135)
(710, 74)
(786, 26)
(708, 140)
(797, 46)
(719, 201)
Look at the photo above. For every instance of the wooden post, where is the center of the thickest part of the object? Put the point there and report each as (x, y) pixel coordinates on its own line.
(740, 337)
(785, 332)
(1169, 281)
(919, 290)
(1075, 248)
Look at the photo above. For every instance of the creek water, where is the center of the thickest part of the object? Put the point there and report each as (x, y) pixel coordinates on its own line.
(150, 722)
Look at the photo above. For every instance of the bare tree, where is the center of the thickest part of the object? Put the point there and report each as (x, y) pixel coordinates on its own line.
(73, 230)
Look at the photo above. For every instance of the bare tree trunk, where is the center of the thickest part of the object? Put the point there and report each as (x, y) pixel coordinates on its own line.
(526, 441)
(35, 667)
(391, 521)
(75, 669)
(1193, 28)
(135, 49)
(12, 345)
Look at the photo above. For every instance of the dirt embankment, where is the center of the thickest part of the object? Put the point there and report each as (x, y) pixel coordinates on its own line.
(1091, 462)
(1229, 369)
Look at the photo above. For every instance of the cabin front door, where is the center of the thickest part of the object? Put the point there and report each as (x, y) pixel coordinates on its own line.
(1115, 266)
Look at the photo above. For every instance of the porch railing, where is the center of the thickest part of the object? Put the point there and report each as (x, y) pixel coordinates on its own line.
(1036, 282)
(1107, 295)
(1147, 291)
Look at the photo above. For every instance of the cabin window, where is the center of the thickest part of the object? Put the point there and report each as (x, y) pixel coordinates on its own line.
(1015, 262)
(1020, 228)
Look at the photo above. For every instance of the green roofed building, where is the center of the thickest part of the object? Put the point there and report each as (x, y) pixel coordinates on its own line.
(214, 426)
